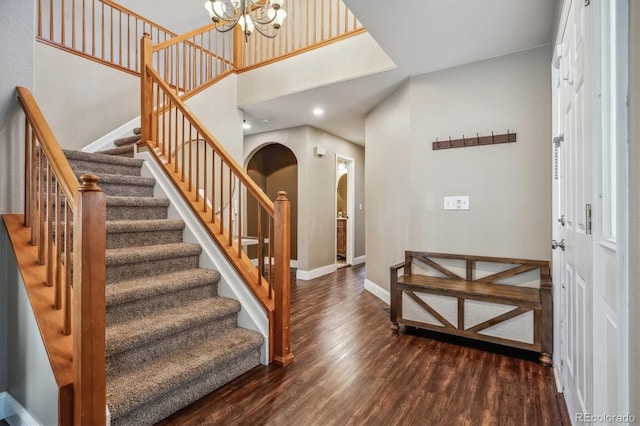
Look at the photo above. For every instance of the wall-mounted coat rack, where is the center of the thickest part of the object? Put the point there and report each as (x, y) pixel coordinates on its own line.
(474, 141)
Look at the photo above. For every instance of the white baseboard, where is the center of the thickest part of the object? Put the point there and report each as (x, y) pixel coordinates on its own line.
(556, 375)
(315, 273)
(14, 413)
(358, 260)
(377, 291)
(106, 142)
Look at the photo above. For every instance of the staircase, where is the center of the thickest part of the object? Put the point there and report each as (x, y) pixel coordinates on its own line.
(170, 339)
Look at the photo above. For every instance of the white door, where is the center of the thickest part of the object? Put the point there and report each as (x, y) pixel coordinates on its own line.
(573, 189)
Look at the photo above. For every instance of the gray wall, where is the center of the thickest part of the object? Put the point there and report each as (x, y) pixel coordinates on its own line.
(316, 190)
(30, 378)
(508, 184)
(17, 40)
(634, 208)
(16, 69)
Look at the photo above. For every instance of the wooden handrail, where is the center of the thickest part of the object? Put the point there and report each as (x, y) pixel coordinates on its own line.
(58, 208)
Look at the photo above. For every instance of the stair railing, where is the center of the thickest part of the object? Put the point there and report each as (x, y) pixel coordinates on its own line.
(67, 222)
(99, 30)
(309, 24)
(206, 168)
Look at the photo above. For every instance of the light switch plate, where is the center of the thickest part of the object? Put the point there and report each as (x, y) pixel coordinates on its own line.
(456, 202)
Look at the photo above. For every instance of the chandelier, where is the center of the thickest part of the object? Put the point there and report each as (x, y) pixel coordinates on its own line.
(264, 16)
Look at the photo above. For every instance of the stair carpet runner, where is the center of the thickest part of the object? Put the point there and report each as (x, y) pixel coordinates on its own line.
(170, 339)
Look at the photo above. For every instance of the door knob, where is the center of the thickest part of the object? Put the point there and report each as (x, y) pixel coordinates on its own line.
(555, 244)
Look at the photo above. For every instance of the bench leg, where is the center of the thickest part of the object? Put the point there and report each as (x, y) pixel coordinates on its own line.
(545, 359)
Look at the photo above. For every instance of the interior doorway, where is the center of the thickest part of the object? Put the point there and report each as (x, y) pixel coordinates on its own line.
(344, 211)
(274, 168)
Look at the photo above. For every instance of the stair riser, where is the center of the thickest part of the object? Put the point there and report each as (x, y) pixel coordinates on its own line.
(135, 213)
(137, 239)
(150, 305)
(129, 140)
(121, 190)
(149, 268)
(106, 168)
(128, 360)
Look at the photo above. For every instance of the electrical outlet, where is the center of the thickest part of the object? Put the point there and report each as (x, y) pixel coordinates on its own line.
(456, 202)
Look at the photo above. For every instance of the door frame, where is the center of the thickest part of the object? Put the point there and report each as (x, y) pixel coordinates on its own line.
(351, 212)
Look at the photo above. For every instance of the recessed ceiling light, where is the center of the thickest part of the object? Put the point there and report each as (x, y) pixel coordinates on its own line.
(245, 125)
(264, 121)
(318, 111)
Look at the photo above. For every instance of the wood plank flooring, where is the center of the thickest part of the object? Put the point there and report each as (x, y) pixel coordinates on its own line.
(350, 369)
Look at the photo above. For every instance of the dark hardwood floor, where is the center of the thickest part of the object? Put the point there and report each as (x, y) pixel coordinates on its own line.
(351, 369)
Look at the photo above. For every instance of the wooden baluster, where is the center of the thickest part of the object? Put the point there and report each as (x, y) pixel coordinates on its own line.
(50, 262)
(89, 278)
(230, 208)
(221, 196)
(282, 346)
(58, 245)
(204, 175)
(51, 20)
(68, 226)
(197, 166)
(28, 166)
(146, 84)
(41, 208)
(239, 222)
(35, 164)
(213, 185)
(260, 244)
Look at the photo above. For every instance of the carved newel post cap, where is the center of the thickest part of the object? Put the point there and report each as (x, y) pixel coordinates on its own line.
(282, 196)
(89, 182)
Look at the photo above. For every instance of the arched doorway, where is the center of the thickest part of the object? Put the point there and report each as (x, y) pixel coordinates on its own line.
(274, 168)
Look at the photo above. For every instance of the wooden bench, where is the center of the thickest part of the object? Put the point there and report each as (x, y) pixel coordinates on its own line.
(421, 274)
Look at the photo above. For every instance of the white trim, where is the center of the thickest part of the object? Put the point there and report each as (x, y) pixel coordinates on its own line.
(315, 273)
(106, 141)
(376, 290)
(252, 315)
(358, 260)
(556, 376)
(14, 413)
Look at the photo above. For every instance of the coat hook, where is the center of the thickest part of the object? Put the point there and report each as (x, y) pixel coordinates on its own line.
(478, 138)
(464, 142)
(493, 139)
(437, 143)
(449, 141)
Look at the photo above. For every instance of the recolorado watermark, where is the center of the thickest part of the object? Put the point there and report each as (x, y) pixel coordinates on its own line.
(605, 418)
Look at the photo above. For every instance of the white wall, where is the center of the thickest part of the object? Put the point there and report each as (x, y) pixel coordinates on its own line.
(634, 208)
(81, 99)
(353, 57)
(217, 111)
(316, 190)
(508, 184)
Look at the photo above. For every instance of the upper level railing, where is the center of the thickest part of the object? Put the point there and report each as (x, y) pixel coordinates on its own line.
(309, 24)
(104, 31)
(97, 29)
(68, 239)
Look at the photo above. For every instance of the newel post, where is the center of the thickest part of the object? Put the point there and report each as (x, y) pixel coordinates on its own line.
(238, 46)
(282, 252)
(146, 89)
(89, 277)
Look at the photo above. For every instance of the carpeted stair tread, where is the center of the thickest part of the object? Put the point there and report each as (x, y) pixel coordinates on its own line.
(127, 140)
(122, 226)
(121, 179)
(141, 288)
(122, 151)
(132, 334)
(103, 163)
(119, 201)
(130, 391)
(127, 255)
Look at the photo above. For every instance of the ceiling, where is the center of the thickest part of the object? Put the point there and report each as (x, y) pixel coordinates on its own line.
(420, 36)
